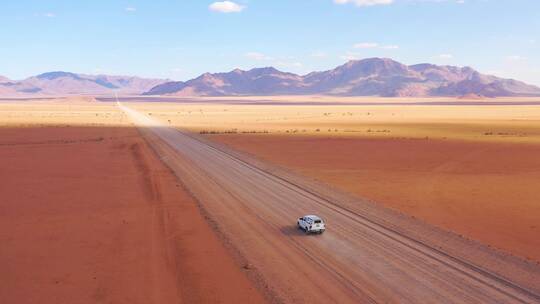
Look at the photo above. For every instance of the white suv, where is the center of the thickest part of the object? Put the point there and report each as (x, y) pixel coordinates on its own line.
(311, 223)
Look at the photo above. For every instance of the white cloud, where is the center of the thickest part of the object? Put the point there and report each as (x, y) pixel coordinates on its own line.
(366, 45)
(226, 7)
(365, 2)
(130, 9)
(373, 45)
(49, 15)
(445, 56)
(257, 56)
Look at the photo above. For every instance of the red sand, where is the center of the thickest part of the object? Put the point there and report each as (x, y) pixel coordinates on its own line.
(90, 215)
(485, 191)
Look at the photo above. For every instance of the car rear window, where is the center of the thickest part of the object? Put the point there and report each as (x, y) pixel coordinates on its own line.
(317, 221)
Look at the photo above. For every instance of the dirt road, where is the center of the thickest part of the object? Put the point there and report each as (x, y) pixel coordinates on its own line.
(365, 255)
(471, 188)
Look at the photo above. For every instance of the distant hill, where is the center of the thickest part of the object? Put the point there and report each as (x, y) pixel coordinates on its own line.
(256, 81)
(65, 83)
(4, 90)
(367, 77)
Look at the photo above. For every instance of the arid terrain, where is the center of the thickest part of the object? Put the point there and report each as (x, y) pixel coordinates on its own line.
(89, 214)
(88, 199)
(471, 169)
(484, 191)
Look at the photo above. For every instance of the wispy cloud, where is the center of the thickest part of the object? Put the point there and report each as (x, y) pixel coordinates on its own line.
(257, 56)
(444, 56)
(226, 7)
(131, 9)
(365, 2)
(49, 15)
(373, 45)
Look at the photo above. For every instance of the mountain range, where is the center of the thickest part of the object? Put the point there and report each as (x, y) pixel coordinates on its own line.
(367, 77)
(64, 83)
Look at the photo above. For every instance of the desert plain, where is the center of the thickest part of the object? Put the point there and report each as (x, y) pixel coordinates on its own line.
(86, 198)
(472, 169)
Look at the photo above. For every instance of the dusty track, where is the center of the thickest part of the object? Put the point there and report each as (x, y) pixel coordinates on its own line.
(359, 259)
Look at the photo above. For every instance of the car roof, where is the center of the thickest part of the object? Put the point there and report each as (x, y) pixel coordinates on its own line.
(313, 217)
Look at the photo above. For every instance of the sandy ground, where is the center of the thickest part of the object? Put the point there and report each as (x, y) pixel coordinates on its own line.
(471, 123)
(90, 215)
(368, 254)
(471, 169)
(59, 113)
(486, 191)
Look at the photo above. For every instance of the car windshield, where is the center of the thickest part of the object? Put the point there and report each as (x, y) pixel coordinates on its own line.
(318, 221)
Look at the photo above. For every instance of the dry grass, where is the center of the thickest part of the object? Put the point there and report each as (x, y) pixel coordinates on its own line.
(473, 123)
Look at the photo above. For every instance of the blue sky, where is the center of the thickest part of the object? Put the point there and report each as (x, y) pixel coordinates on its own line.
(180, 39)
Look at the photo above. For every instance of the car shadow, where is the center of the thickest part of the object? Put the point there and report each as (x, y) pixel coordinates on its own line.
(293, 230)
